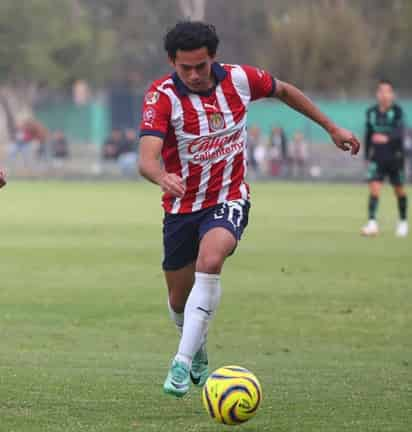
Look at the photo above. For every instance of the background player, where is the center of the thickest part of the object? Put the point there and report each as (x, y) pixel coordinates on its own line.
(196, 120)
(384, 151)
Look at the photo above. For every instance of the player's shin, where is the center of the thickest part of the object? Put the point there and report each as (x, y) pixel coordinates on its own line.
(403, 207)
(177, 318)
(372, 207)
(200, 308)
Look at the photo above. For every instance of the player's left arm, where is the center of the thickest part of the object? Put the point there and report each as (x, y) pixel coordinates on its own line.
(292, 96)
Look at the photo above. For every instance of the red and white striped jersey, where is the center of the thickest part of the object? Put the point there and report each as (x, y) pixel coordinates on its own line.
(205, 134)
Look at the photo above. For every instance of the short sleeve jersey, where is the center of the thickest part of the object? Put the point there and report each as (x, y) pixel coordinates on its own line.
(205, 133)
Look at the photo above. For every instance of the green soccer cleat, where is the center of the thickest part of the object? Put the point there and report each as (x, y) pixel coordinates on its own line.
(200, 367)
(177, 381)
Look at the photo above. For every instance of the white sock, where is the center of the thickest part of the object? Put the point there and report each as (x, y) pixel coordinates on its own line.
(200, 308)
(178, 318)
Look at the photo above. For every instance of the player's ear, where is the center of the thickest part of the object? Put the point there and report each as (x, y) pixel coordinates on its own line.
(172, 62)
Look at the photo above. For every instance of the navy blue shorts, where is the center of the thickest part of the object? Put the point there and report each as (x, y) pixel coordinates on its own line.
(182, 232)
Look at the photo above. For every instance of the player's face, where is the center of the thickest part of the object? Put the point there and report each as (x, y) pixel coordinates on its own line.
(385, 95)
(194, 68)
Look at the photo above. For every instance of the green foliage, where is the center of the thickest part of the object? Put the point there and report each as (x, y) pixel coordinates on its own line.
(47, 41)
(326, 49)
(322, 45)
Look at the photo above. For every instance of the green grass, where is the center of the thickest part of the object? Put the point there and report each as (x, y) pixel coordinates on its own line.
(321, 315)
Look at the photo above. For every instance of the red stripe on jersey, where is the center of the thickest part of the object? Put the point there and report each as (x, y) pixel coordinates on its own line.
(192, 186)
(233, 99)
(215, 184)
(190, 117)
(170, 156)
(236, 178)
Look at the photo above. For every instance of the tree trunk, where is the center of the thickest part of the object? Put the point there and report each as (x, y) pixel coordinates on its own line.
(16, 102)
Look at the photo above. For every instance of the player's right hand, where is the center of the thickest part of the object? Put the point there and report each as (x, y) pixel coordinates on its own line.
(172, 184)
(345, 140)
(3, 181)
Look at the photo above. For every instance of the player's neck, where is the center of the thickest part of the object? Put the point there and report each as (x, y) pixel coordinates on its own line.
(211, 84)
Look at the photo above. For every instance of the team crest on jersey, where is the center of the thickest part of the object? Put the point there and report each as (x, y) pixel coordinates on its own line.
(152, 97)
(216, 121)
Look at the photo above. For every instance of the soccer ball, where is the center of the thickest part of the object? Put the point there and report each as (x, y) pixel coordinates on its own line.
(232, 395)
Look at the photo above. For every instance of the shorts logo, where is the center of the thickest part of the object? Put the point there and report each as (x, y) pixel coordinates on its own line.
(152, 97)
(216, 121)
(232, 211)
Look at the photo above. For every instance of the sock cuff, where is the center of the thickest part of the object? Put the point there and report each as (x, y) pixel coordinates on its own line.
(207, 276)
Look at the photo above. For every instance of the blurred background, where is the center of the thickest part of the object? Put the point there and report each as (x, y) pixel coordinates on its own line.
(73, 73)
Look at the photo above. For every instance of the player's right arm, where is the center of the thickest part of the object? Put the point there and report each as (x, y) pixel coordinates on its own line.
(153, 130)
(150, 167)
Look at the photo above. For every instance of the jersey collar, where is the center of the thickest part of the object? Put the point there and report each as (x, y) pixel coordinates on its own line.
(218, 72)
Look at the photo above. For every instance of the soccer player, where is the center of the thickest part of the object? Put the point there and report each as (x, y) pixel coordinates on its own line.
(385, 154)
(195, 119)
(2, 178)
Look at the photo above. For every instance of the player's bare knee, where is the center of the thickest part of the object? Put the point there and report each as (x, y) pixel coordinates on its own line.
(210, 263)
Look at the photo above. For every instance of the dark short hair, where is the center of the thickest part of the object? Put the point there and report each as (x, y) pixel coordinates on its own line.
(385, 81)
(191, 35)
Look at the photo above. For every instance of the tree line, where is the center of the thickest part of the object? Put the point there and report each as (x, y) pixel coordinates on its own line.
(326, 46)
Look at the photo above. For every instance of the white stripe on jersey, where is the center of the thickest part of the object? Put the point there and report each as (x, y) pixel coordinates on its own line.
(201, 193)
(177, 123)
(204, 131)
(201, 114)
(229, 121)
(243, 188)
(241, 83)
(177, 109)
(227, 174)
(185, 174)
(224, 107)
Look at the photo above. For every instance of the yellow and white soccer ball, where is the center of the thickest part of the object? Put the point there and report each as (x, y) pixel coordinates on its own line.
(232, 395)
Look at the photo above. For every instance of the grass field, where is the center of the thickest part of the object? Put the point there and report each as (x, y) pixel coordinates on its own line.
(321, 315)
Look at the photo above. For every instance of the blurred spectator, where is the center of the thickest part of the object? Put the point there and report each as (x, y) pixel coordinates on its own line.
(260, 156)
(129, 143)
(59, 146)
(112, 146)
(30, 134)
(128, 153)
(298, 154)
(81, 92)
(21, 144)
(278, 154)
(253, 138)
(408, 153)
(39, 135)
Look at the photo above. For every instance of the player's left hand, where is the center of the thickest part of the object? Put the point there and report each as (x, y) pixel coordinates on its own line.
(3, 181)
(345, 140)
